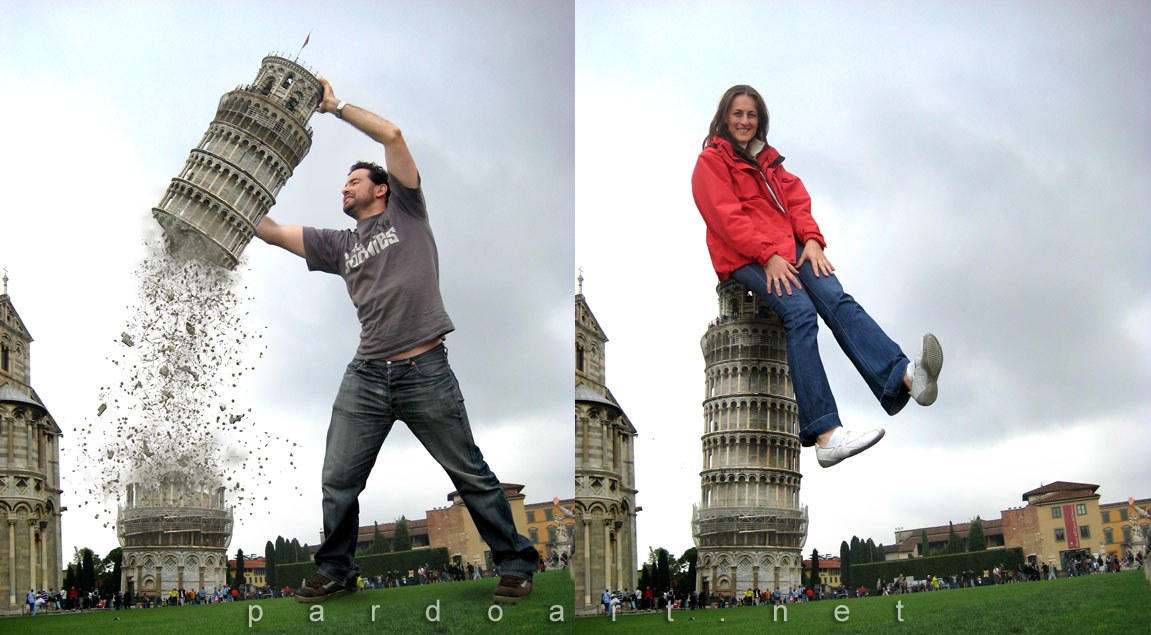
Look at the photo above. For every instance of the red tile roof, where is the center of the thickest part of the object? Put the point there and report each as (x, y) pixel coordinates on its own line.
(1056, 497)
(1060, 486)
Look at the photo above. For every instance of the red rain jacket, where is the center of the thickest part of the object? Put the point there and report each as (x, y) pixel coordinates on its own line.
(746, 220)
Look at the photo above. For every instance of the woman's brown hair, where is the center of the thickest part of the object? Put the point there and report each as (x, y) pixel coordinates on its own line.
(719, 122)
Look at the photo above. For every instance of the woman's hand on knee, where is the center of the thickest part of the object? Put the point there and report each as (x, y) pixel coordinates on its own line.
(813, 253)
(780, 275)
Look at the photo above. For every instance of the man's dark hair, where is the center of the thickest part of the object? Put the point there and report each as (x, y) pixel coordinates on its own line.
(376, 173)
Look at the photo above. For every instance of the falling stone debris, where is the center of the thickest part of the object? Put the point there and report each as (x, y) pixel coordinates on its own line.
(171, 397)
(185, 344)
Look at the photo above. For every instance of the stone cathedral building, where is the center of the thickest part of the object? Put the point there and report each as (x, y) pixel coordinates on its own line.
(604, 549)
(30, 548)
(749, 528)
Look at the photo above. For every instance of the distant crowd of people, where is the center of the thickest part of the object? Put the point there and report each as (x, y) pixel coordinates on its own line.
(628, 600)
(1026, 572)
(75, 600)
(649, 600)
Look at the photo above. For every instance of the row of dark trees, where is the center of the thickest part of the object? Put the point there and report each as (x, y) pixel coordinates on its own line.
(664, 571)
(289, 552)
(857, 552)
(976, 540)
(861, 552)
(283, 551)
(88, 571)
(401, 539)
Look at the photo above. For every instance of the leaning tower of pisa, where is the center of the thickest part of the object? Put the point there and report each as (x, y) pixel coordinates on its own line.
(749, 527)
(230, 180)
(173, 536)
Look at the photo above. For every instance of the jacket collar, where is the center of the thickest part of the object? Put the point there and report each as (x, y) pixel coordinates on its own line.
(756, 146)
(765, 154)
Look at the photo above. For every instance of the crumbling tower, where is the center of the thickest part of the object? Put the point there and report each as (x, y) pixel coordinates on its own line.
(231, 179)
(173, 536)
(749, 528)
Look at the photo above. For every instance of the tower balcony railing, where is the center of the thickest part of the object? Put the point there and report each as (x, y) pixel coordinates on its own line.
(266, 123)
(250, 88)
(164, 511)
(752, 512)
(172, 520)
(749, 519)
(291, 57)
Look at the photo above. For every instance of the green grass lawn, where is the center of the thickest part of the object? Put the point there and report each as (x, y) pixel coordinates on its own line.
(463, 608)
(1111, 603)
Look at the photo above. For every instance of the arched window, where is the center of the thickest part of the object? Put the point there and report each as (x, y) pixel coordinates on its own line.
(287, 83)
(4, 358)
(579, 357)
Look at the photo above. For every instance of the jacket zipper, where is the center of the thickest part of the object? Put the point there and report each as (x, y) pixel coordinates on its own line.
(768, 184)
(765, 182)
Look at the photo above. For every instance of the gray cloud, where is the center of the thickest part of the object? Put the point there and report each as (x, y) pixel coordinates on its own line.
(484, 96)
(977, 173)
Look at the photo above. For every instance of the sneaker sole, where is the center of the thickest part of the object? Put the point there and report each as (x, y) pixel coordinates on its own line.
(933, 364)
(320, 598)
(831, 463)
(503, 599)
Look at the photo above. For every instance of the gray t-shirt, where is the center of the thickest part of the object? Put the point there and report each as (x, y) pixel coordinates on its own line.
(392, 269)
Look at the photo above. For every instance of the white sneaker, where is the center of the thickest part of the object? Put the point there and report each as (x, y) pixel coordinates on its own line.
(846, 443)
(924, 371)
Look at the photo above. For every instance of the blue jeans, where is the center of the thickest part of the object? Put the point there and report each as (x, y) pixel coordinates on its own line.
(422, 392)
(879, 360)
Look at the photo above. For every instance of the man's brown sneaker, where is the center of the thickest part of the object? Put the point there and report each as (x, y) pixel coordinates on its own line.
(320, 588)
(512, 589)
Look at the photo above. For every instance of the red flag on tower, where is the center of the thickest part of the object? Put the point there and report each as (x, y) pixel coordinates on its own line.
(306, 40)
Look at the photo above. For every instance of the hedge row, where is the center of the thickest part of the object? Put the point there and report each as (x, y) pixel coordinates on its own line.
(920, 568)
(372, 564)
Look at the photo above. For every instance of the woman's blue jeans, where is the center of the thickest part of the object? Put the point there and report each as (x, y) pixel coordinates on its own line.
(879, 360)
(422, 392)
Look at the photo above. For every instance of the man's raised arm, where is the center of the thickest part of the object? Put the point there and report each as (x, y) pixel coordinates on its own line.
(290, 237)
(399, 160)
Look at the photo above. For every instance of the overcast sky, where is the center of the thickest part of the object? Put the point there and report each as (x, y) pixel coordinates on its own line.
(103, 103)
(979, 171)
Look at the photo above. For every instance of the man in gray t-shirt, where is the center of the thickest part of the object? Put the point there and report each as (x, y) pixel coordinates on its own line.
(400, 371)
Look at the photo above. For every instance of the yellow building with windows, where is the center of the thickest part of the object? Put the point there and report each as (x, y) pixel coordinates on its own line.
(543, 530)
(1116, 521)
(255, 570)
(1061, 522)
(829, 571)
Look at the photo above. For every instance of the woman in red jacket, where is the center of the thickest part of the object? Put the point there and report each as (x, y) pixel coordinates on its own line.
(760, 232)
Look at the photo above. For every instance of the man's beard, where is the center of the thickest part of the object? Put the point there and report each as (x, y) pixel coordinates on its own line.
(351, 206)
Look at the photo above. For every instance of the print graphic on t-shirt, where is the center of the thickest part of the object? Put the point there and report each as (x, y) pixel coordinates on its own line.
(376, 244)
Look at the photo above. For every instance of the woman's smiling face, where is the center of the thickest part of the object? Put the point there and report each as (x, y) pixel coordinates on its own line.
(742, 118)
